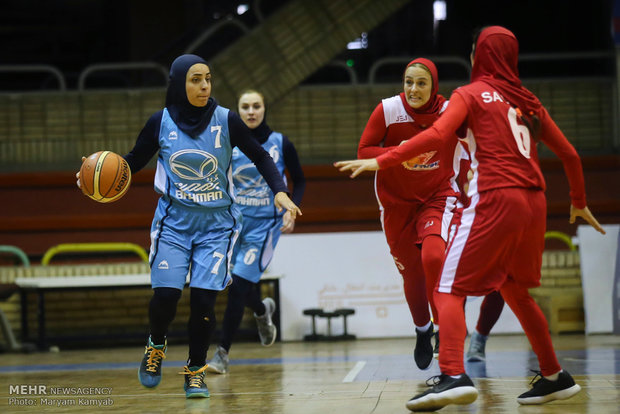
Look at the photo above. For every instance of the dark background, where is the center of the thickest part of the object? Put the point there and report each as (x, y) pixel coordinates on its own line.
(72, 34)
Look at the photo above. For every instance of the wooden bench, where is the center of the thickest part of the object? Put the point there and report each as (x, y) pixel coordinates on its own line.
(42, 280)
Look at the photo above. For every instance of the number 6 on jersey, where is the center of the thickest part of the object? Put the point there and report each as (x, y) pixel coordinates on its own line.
(521, 133)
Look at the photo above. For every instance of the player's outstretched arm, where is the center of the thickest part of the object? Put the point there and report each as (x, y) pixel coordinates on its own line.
(282, 202)
(586, 215)
(357, 166)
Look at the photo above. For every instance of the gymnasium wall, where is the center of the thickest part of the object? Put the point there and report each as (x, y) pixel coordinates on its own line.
(51, 131)
(40, 210)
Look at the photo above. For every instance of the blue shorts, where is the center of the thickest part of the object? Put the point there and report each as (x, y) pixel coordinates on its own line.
(195, 242)
(254, 249)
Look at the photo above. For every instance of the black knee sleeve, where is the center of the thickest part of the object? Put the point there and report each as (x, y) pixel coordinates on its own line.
(201, 324)
(162, 309)
(238, 293)
(246, 292)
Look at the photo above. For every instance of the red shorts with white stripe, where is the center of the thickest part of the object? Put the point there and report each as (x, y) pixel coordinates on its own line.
(501, 234)
(407, 225)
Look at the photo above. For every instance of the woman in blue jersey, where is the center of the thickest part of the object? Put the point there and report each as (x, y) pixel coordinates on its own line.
(196, 222)
(262, 226)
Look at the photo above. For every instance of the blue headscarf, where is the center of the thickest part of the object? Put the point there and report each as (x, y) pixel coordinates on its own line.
(189, 118)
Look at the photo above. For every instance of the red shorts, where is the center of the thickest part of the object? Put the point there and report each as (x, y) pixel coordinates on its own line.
(501, 234)
(407, 225)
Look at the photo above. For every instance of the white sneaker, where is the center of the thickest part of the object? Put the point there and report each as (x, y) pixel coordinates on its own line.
(219, 362)
(266, 329)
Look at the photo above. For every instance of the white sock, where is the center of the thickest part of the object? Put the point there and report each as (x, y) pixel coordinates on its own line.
(553, 377)
(424, 328)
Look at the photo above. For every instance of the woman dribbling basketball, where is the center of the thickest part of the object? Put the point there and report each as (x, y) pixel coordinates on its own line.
(196, 222)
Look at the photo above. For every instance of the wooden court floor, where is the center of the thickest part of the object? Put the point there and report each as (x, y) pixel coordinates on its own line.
(368, 376)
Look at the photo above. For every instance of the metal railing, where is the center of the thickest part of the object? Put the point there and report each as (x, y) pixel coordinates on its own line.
(350, 71)
(62, 84)
(93, 247)
(212, 30)
(325, 121)
(106, 67)
(17, 252)
(601, 54)
(460, 62)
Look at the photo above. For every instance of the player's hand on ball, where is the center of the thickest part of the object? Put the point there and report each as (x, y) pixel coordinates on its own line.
(288, 223)
(77, 175)
(357, 166)
(282, 202)
(104, 176)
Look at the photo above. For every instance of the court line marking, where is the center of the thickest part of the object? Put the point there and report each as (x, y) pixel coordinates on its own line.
(356, 370)
(67, 367)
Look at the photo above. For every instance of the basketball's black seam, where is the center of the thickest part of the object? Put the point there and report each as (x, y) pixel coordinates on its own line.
(118, 165)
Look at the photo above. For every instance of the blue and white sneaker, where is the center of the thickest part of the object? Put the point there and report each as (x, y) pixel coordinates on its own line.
(195, 386)
(150, 368)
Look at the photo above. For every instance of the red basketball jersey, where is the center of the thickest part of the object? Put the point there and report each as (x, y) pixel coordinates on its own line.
(503, 154)
(424, 175)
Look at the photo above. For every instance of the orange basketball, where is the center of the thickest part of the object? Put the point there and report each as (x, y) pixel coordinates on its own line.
(105, 176)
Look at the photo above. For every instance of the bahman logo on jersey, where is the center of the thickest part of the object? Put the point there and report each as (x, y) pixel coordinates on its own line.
(193, 164)
(246, 178)
(172, 135)
(250, 184)
(420, 162)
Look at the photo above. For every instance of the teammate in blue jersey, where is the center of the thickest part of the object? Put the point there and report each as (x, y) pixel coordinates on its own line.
(196, 222)
(262, 226)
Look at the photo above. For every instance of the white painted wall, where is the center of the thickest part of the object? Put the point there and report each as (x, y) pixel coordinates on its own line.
(353, 270)
(598, 255)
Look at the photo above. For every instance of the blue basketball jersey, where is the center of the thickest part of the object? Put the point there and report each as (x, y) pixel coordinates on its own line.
(195, 172)
(253, 195)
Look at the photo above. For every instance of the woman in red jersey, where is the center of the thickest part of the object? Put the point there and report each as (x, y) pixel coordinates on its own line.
(499, 242)
(416, 198)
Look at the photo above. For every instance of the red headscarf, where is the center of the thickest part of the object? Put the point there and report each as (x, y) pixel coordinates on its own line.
(495, 62)
(427, 113)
